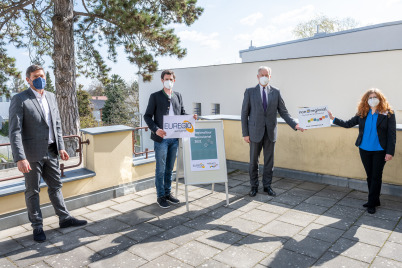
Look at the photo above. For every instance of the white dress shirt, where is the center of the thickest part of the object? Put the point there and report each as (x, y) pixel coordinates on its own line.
(46, 112)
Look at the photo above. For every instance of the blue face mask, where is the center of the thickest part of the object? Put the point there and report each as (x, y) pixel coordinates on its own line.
(39, 83)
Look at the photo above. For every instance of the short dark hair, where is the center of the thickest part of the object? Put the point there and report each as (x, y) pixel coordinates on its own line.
(32, 69)
(168, 72)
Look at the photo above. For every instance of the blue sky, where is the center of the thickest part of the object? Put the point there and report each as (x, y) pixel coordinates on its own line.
(228, 26)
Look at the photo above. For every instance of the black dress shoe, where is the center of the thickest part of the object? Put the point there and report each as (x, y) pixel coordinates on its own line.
(72, 222)
(39, 235)
(253, 192)
(269, 191)
(371, 210)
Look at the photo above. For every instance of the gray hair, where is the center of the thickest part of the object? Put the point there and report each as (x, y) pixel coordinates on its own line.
(33, 68)
(264, 68)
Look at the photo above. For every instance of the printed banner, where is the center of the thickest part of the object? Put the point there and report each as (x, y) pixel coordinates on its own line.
(314, 117)
(178, 126)
(204, 150)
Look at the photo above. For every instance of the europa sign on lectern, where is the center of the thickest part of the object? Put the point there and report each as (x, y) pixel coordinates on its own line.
(201, 159)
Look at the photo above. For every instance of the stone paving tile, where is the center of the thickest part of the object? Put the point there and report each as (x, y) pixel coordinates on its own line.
(168, 220)
(277, 208)
(194, 253)
(345, 211)
(281, 229)
(210, 202)
(338, 222)
(12, 231)
(33, 254)
(213, 263)
(142, 231)
(6, 263)
(26, 238)
(135, 217)
(147, 199)
(101, 205)
(376, 223)
(321, 201)
(290, 199)
(106, 227)
(328, 193)
(241, 226)
(156, 210)
(181, 234)
(56, 226)
(286, 258)
(204, 222)
(282, 184)
(166, 261)
(78, 257)
(392, 251)
(311, 186)
(356, 250)
(297, 218)
(310, 209)
(259, 216)
(240, 189)
(240, 256)
(41, 264)
(338, 189)
(244, 205)
(219, 238)
(222, 196)
(332, 260)
(111, 244)
(127, 206)
(125, 198)
(261, 197)
(322, 232)
(351, 202)
(119, 259)
(152, 248)
(233, 182)
(224, 213)
(199, 193)
(387, 214)
(8, 245)
(358, 195)
(307, 246)
(263, 242)
(74, 239)
(80, 211)
(365, 235)
(396, 236)
(389, 204)
(102, 214)
(301, 192)
(194, 211)
(380, 262)
(152, 190)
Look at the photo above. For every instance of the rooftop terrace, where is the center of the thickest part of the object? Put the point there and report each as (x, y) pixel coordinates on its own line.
(307, 224)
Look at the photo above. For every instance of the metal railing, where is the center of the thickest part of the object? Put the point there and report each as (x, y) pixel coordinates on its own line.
(146, 151)
(62, 166)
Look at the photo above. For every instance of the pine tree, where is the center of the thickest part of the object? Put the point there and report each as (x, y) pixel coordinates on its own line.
(85, 109)
(115, 111)
(49, 83)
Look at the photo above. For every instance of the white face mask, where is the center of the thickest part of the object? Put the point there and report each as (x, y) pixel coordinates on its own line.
(264, 80)
(373, 102)
(168, 84)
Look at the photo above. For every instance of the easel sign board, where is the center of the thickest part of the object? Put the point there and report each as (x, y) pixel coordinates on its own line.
(204, 159)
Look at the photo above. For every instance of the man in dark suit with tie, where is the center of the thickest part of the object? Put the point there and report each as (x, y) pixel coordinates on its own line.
(36, 142)
(259, 127)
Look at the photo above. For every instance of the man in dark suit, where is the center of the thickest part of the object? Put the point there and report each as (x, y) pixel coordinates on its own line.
(36, 142)
(164, 102)
(259, 127)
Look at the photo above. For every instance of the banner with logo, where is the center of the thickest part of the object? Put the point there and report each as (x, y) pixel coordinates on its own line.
(204, 150)
(314, 117)
(178, 126)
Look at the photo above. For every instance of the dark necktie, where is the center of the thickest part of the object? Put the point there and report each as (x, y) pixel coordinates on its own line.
(264, 99)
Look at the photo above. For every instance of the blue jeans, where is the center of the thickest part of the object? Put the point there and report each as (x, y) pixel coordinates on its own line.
(165, 156)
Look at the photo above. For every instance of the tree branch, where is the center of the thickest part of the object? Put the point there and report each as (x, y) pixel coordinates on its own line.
(20, 5)
(77, 13)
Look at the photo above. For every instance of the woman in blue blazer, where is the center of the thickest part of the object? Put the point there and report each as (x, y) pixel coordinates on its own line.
(376, 140)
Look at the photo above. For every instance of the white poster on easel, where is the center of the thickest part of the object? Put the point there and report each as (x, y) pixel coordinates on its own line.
(208, 148)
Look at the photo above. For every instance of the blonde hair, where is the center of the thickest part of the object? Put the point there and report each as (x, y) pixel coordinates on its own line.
(382, 107)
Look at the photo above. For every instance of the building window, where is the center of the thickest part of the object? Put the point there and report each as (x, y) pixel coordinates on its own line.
(7, 99)
(197, 108)
(215, 108)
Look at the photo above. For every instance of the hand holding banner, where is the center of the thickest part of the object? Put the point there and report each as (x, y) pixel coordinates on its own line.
(178, 126)
(314, 117)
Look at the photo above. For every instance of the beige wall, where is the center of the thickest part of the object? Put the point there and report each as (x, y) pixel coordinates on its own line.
(330, 151)
(337, 81)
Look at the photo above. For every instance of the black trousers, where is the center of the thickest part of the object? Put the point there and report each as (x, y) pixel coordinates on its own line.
(373, 163)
